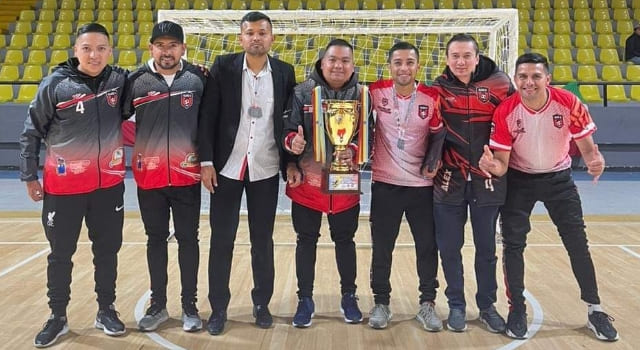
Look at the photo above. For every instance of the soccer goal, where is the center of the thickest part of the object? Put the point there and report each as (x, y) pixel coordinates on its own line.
(301, 35)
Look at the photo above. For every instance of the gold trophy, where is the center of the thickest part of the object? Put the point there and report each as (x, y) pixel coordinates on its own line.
(341, 122)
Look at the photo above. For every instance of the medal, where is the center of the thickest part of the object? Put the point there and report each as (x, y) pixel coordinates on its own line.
(255, 112)
(401, 144)
(401, 123)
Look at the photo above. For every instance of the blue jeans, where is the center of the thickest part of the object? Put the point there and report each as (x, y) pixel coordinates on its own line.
(449, 222)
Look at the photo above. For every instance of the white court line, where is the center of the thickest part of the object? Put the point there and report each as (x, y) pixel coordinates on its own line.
(24, 262)
(630, 251)
(139, 313)
(534, 327)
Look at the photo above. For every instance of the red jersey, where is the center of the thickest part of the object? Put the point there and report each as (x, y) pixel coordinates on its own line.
(402, 128)
(539, 140)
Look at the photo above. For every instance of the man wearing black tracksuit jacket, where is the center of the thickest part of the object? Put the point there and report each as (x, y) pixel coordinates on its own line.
(165, 94)
(77, 112)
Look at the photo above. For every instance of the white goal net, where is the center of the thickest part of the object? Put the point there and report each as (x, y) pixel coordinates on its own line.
(301, 35)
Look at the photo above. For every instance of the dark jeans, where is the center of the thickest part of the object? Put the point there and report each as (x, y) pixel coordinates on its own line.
(388, 204)
(184, 204)
(262, 199)
(343, 226)
(559, 195)
(62, 217)
(450, 221)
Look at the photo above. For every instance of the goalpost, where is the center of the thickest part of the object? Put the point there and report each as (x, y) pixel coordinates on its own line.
(301, 35)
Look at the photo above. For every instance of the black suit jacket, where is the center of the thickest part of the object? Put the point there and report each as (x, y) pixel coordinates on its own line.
(221, 102)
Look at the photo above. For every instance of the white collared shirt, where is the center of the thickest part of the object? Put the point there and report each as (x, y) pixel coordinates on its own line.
(255, 148)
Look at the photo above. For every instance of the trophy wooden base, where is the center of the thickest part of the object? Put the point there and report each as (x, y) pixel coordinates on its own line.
(343, 182)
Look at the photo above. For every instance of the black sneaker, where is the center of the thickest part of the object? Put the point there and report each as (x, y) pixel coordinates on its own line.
(53, 329)
(517, 325)
(107, 320)
(215, 325)
(600, 324)
(263, 316)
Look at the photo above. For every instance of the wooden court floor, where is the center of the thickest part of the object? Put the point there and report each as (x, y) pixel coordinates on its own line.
(557, 316)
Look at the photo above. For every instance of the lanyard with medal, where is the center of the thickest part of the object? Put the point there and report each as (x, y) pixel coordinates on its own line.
(396, 111)
(254, 110)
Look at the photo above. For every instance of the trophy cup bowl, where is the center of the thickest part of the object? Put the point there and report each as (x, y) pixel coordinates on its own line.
(341, 123)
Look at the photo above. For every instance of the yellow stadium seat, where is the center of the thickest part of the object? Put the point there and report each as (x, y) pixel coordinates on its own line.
(539, 41)
(162, 5)
(66, 15)
(503, 4)
(523, 26)
(181, 5)
(27, 15)
(581, 15)
(385, 43)
(633, 73)
(561, 27)
(541, 27)
(524, 4)
(445, 4)
(126, 28)
(377, 57)
(9, 73)
(47, 15)
(364, 41)
(61, 41)
(64, 28)
(389, 4)
(67, 5)
(22, 27)
(408, 4)
(587, 73)
(32, 73)
(294, 5)
(609, 56)
(612, 73)
(542, 4)
(581, 4)
(604, 27)
(465, 5)
(543, 52)
(562, 41)
(301, 73)
(368, 74)
(599, 4)
(601, 15)
(125, 15)
(144, 16)
(257, 5)
(126, 41)
(369, 5)
(3, 41)
(276, 5)
(424, 5)
(560, 4)
(6, 93)
(485, 4)
(606, 41)
(619, 4)
(351, 5)
(145, 27)
(38, 57)
(238, 5)
(523, 15)
(143, 5)
(332, 5)
(86, 15)
(288, 56)
(584, 41)
(18, 41)
(621, 14)
(145, 57)
(200, 5)
(308, 57)
(562, 73)
(636, 13)
(585, 56)
(105, 15)
(561, 15)
(616, 93)
(44, 28)
(522, 41)
(541, 14)
(107, 25)
(313, 5)
(635, 92)
(58, 56)
(26, 93)
(590, 93)
(127, 58)
(582, 27)
(87, 5)
(359, 58)
(125, 5)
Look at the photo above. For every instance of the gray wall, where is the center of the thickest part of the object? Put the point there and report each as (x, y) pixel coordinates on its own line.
(618, 133)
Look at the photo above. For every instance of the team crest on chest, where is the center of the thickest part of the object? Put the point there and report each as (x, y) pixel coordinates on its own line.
(423, 111)
(187, 100)
(385, 101)
(112, 98)
(483, 94)
(558, 121)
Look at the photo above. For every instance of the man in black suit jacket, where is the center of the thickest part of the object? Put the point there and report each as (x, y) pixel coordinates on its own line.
(241, 124)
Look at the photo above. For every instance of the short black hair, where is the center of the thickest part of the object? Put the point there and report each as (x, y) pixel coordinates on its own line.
(255, 16)
(338, 42)
(463, 37)
(402, 45)
(92, 28)
(533, 57)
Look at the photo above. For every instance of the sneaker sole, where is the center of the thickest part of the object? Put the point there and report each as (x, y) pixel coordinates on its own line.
(62, 332)
(457, 330)
(153, 327)
(106, 331)
(195, 328)
(427, 328)
(303, 325)
(511, 335)
(380, 326)
(348, 320)
(600, 335)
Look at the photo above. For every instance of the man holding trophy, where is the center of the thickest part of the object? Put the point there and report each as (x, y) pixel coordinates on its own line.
(330, 110)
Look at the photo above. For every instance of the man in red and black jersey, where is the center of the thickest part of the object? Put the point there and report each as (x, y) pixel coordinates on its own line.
(531, 139)
(77, 112)
(470, 89)
(165, 95)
